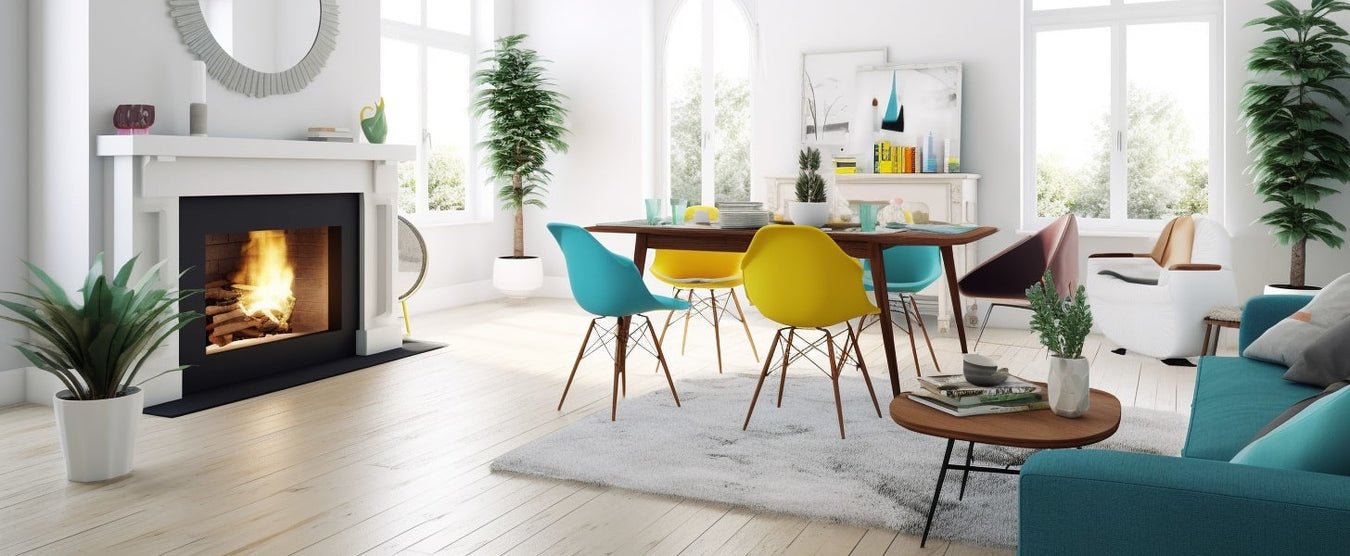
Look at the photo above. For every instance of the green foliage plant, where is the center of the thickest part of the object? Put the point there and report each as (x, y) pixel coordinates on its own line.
(810, 186)
(1292, 110)
(1062, 324)
(525, 123)
(96, 345)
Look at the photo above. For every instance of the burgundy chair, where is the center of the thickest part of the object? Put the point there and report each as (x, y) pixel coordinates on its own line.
(1004, 278)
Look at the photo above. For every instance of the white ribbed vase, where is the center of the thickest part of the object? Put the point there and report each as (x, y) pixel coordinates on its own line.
(1068, 386)
(98, 437)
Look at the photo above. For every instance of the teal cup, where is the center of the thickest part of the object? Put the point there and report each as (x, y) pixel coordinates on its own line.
(677, 207)
(653, 211)
(867, 217)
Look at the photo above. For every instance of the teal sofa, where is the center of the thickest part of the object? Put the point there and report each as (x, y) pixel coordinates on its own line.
(1102, 502)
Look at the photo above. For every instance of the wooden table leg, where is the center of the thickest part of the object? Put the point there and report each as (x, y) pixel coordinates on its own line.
(949, 267)
(883, 302)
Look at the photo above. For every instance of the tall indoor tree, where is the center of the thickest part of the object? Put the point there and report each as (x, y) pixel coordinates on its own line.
(524, 123)
(1292, 109)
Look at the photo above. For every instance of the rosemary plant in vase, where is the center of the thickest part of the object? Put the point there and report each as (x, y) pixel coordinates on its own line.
(810, 208)
(96, 344)
(1063, 324)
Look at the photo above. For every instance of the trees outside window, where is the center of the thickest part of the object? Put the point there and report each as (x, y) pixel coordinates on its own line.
(707, 92)
(1122, 122)
(426, 56)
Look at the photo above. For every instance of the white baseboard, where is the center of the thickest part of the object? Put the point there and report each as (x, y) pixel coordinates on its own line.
(429, 300)
(13, 387)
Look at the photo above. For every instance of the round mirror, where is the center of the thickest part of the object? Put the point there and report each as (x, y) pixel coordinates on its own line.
(412, 259)
(259, 47)
(267, 35)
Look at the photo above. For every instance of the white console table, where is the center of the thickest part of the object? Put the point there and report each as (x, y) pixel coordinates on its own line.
(950, 198)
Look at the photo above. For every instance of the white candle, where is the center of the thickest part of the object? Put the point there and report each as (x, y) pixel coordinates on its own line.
(197, 90)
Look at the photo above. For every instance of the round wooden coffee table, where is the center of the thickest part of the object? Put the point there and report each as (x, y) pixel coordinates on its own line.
(1025, 429)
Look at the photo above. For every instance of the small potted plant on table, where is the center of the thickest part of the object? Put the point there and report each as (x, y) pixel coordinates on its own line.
(810, 208)
(1063, 324)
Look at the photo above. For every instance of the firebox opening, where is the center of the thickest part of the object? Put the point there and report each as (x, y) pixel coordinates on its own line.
(267, 285)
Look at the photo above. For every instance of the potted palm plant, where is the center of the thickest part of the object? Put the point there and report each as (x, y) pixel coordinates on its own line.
(1292, 109)
(96, 346)
(524, 123)
(1063, 325)
(810, 208)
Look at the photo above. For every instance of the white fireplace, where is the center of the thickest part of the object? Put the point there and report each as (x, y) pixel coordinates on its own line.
(148, 177)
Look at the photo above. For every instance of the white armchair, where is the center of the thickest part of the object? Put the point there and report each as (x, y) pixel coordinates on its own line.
(1154, 303)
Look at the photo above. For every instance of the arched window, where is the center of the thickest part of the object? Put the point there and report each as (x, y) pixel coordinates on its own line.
(707, 59)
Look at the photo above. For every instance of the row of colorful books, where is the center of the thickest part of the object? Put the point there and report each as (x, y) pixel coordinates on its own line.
(953, 395)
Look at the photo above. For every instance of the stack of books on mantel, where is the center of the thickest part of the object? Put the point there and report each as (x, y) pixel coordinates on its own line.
(331, 134)
(953, 395)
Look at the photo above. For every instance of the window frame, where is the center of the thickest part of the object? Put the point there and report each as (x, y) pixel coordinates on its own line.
(1117, 17)
(708, 185)
(477, 203)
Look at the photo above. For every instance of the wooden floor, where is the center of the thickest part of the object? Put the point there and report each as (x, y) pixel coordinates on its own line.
(394, 459)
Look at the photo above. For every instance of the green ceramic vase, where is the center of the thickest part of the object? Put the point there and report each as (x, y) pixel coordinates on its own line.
(373, 126)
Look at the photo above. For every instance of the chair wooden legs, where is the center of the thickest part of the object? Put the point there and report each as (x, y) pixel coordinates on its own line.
(580, 353)
(926, 339)
(621, 356)
(837, 362)
(696, 306)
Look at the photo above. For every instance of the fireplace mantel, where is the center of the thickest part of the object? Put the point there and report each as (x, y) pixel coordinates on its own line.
(147, 175)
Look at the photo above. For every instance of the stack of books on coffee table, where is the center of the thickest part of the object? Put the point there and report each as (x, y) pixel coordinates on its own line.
(953, 395)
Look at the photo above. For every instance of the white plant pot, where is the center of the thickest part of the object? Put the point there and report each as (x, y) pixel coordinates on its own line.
(1285, 289)
(517, 277)
(98, 437)
(1067, 386)
(809, 214)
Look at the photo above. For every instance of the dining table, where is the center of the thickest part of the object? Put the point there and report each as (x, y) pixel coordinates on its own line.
(853, 241)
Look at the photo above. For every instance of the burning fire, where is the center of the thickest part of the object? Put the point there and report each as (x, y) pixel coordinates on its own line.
(265, 277)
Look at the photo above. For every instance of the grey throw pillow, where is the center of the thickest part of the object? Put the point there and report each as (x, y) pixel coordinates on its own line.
(1300, 406)
(1285, 342)
(1327, 360)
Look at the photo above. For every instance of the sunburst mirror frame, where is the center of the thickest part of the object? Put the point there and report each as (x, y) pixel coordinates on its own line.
(235, 76)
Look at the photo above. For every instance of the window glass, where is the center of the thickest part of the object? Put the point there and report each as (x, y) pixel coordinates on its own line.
(448, 15)
(684, 97)
(1073, 165)
(1167, 101)
(731, 70)
(447, 128)
(1058, 4)
(402, 11)
(399, 84)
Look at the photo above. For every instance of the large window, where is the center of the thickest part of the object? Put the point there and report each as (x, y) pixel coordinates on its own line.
(426, 57)
(707, 93)
(1123, 125)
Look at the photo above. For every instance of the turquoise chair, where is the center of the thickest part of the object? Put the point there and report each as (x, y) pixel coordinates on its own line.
(610, 286)
(909, 268)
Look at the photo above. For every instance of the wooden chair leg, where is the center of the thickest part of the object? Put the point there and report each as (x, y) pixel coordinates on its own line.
(741, 314)
(577, 363)
(768, 360)
(661, 358)
(835, 368)
(787, 353)
(862, 366)
(717, 330)
(685, 340)
(909, 330)
(669, 314)
(926, 340)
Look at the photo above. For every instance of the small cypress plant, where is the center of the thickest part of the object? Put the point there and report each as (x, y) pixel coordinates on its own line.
(810, 185)
(1062, 324)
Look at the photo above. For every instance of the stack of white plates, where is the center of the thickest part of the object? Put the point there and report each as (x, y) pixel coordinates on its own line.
(743, 218)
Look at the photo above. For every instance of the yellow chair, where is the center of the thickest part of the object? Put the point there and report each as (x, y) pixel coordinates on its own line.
(798, 276)
(708, 280)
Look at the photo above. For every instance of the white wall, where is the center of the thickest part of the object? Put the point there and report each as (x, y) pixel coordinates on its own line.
(14, 187)
(600, 71)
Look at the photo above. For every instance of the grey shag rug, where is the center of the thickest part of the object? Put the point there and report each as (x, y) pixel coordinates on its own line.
(792, 461)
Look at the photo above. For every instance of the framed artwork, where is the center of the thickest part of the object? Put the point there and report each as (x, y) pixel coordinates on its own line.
(907, 102)
(830, 114)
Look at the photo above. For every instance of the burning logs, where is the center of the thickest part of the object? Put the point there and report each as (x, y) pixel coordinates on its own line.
(229, 318)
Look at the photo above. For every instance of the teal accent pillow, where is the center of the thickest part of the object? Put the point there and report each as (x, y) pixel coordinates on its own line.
(1313, 440)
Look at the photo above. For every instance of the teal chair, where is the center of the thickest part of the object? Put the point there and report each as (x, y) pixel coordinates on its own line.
(610, 286)
(909, 268)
